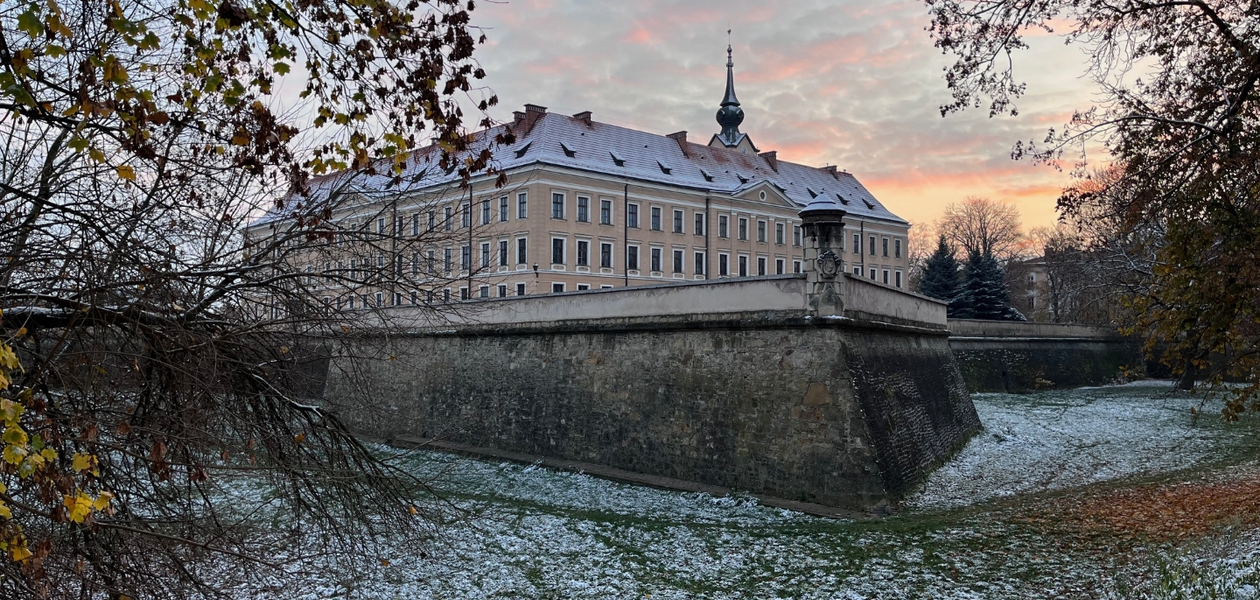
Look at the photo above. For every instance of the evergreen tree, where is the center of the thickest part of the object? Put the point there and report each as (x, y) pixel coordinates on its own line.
(940, 277)
(984, 289)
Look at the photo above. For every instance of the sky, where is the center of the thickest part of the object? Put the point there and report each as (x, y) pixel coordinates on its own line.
(854, 83)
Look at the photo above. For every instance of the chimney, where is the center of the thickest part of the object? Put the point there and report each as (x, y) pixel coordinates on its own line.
(584, 116)
(771, 157)
(830, 170)
(523, 122)
(681, 138)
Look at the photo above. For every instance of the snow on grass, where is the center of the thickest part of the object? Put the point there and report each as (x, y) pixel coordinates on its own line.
(1061, 439)
(522, 531)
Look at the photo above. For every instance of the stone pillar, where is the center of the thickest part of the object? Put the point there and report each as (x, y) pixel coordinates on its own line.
(823, 229)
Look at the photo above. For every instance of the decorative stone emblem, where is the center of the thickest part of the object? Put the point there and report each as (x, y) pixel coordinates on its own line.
(828, 265)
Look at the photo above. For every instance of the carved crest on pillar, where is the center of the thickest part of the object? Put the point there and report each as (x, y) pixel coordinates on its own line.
(828, 265)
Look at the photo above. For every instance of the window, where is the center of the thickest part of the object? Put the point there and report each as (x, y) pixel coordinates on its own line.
(503, 209)
(449, 222)
(396, 299)
(398, 225)
(351, 303)
(724, 265)
(428, 296)
(796, 266)
(415, 297)
(463, 293)
(796, 236)
(557, 251)
(582, 287)
(483, 291)
(778, 233)
(557, 288)
(885, 276)
(605, 255)
(872, 246)
(583, 253)
(857, 245)
(761, 265)
(485, 211)
(897, 250)
(632, 215)
(465, 215)
(605, 212)
(699, 268)
(656, 218)
(898, 278)
(415, 224)
(632, 258)
(656, 260)
(522, 206)
(465, 257)
(605, 287)
(857, 270)
(432, 220)
(872, 274)
(678, 261)
(447, 262)
(722, 226)
(432, 264)
(678, 221)
(884, 243)
(520, 289)
(502, 290)
(503, 253)
(485, 255)
(380, 226)
(380, 300)
(584, 209)
(778, 266)
(699, 223)
(743, 266)
(521, 256)
(743, 228)
(761, 231)
(557, 205)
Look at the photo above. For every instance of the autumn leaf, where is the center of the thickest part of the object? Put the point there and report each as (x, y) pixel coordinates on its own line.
(126, 172)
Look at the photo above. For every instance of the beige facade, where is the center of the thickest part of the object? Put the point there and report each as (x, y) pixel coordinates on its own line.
(553, 229)
(586, 206)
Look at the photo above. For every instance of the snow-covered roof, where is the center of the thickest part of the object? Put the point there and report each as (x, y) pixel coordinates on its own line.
(579, 143)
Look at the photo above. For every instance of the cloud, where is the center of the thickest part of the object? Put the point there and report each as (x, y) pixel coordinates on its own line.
(853, 83)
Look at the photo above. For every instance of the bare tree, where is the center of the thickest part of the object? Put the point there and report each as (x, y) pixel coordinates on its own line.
(158, 406)
(983, 226)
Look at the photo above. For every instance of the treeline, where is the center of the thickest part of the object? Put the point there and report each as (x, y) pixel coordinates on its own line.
(978, 258)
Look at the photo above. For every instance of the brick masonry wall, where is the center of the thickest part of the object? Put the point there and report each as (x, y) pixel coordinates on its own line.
(813, 410)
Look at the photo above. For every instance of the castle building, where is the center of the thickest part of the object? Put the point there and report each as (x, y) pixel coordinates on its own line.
(590, 205)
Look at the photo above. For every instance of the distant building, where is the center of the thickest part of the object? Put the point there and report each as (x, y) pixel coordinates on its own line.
(590, 205)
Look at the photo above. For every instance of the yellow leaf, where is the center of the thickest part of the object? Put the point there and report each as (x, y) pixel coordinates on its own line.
(8, 358)
(19, 553)
(241, 138)
(299, 437)
(79, 506)
(14, 454)
(49, 454)
(102, 501)
(82, 462)
(14, 435)
(126, 172)
(4, 511)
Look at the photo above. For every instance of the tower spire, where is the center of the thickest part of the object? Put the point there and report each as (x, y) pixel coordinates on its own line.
(730, 115)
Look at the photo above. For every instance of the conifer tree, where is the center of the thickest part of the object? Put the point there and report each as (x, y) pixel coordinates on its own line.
(940, 276)
(984, 289)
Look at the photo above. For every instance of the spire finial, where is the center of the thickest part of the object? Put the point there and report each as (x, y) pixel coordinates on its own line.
(730, 115)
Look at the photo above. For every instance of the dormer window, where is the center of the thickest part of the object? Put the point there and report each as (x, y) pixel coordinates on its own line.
(707, 176)
(742, 179)
(868, 204)
(523, 150)
(842, 199)
(812, 193)
(664, 169)
(617, 160)
(569, 152)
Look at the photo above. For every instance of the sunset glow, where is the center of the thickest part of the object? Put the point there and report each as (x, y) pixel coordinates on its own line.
(852, 83)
